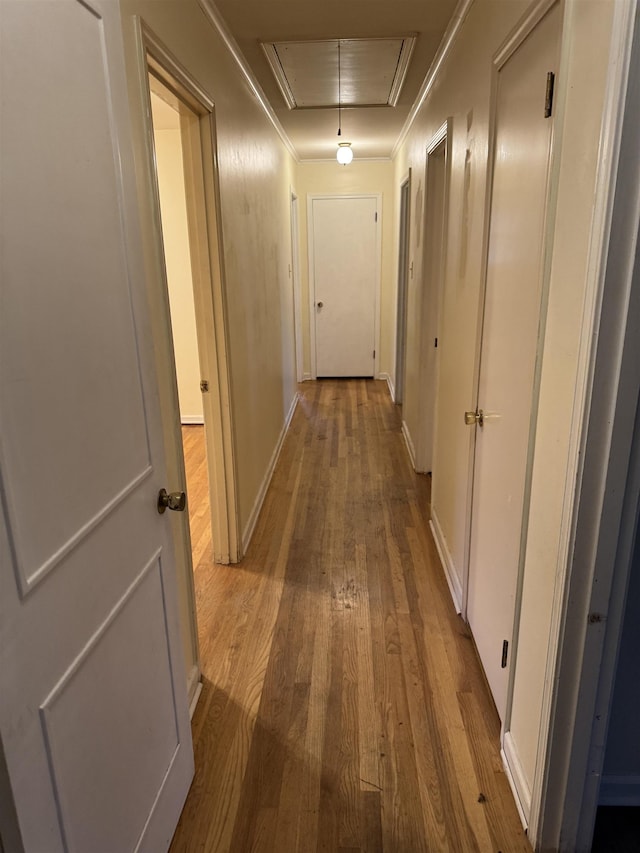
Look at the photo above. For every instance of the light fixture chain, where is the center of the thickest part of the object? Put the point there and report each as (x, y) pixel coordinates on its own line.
(339, 93)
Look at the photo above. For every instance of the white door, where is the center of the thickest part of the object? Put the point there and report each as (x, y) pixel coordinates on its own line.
(344, 251)
(93, 711)
(510, 345)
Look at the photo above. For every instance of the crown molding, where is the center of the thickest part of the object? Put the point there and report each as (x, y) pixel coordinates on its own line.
(456, 22)
(217, 21)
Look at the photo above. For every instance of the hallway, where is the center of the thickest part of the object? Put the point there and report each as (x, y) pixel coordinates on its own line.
(343, 705)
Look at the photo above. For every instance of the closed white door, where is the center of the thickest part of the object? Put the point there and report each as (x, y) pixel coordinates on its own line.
(510, 345)
(344, 253)
(93, 710)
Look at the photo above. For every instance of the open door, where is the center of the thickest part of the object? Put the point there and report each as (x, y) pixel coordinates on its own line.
(94, 718)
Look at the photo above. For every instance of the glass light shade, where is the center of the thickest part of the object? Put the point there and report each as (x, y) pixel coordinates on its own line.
(344, 154)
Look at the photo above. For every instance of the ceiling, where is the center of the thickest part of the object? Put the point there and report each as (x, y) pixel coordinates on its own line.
(372, 130)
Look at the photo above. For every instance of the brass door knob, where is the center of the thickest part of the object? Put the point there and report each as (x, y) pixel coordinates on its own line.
(472, 418)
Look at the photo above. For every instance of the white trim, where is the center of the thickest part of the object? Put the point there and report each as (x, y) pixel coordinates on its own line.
(273, 59)
(448, 40)
(215, 18)
(516, 778)
(572, 673)
(387, 378)
(525, 25)
(409, 442)
(311, 197)
(620, 791)
(250, 526)
(306, 377)
(192, 420)
(448, 566)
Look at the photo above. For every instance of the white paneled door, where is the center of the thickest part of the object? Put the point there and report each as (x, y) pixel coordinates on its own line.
(93, 708)
(344, 254)
(510, 345)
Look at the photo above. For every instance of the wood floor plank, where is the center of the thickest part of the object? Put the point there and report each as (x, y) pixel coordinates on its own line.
(343, 704)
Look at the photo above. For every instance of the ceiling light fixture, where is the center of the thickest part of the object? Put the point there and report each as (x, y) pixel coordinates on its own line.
(344, 154)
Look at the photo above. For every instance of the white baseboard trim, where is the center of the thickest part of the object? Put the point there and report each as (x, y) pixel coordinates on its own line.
(407, 440)
(453, 581)
(194, 688)
(192, 420)
(250, 526)
(306, 377)
(620, 791)
(389, 381)
(517, 779)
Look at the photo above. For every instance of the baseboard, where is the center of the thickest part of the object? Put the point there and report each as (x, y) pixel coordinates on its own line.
(192, 420)
(620, 791)
(306, 377)
(453, 581)
(389, 381)
(407, 440)
(262, 492)
(517, 779)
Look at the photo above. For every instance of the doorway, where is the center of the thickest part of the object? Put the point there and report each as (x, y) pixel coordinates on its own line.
(168, 113)
(189, 326)
(403, 274)
(511, 344)
(344, 279)
(436, 185)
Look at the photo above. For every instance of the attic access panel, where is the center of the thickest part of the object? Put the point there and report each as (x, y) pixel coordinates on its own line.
(372, 71)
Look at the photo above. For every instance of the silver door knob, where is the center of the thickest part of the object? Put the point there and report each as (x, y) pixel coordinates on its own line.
(320, 304)
(175, 501)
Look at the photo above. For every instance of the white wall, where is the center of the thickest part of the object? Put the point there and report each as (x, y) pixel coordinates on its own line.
(173, 207)
(359, 177)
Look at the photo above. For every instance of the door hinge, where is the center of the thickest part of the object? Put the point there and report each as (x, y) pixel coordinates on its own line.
(435, 343)
(204, 385)
(376, 216)
(374, 353)
(505, 652)
(548, 98)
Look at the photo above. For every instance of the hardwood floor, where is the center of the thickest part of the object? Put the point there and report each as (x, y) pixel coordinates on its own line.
(343, 708)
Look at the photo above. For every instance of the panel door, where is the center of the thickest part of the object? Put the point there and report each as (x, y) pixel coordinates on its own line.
(510, 344)
(344, 251)
(93, 711)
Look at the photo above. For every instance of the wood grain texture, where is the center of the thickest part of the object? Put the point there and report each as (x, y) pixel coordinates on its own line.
(344, 707)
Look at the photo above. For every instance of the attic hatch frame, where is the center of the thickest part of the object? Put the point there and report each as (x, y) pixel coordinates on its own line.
(270, 50)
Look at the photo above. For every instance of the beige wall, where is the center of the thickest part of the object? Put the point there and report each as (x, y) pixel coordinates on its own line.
(358, 177)
(462, 92)
(255, 172)
(173, 206)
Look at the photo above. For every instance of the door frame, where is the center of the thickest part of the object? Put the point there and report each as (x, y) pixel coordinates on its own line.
(295, 279)
(209, 286)
(404, 231)
(378, 265)
(440, 140)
